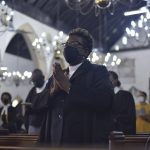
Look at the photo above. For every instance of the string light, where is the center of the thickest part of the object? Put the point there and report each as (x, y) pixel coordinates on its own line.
(86, 6)
(42, 43)
(15, 77)
(138, 29)
(107, 60)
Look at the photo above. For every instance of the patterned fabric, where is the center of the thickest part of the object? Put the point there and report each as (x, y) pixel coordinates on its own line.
(142, 117)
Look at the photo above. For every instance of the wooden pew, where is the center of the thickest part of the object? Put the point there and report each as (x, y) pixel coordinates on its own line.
(18, 140)
(4, 131)
(46, 148)
(28, 142)
(119, 141)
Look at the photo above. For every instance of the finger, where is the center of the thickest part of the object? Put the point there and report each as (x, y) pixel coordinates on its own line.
(66, 75)
(56, 63)
(56, 80)
(53, 68)
(54, 75)
(57, 66)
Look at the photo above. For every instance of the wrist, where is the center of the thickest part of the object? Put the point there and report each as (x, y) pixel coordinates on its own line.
(68, 89)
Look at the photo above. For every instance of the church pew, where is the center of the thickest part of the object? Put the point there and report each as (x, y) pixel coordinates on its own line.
(4, 131)
(45, 148)
(28, 142)
(119, 141)
(18, 140)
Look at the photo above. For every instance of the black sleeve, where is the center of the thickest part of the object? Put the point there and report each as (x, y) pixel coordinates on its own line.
(29, 96)
(42, 103)
(130, 115)
(12, 114)
(99, 95)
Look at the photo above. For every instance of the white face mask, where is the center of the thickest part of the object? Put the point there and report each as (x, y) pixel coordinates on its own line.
(140, 99)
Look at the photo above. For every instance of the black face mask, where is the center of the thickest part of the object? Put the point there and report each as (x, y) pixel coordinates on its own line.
(5, 101)
(72, 55)
(38, 83)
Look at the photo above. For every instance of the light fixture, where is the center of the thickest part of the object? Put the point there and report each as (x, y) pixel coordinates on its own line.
(138, 33)
(117, 47)
(57, 44)
(6, 17)
(85, 6)
(142, 10)
(43, 43)
(135, 12)
(124, 40)
(108, 60)
(15, 77)
(103, 3)
(2, 72)
(16, 101)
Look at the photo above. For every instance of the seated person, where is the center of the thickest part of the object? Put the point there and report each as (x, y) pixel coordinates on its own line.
(8, 113)
(142, 113)
(124, 116)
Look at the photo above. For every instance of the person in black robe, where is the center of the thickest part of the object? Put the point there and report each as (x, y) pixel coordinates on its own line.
(124, 114)
(36, 103)
(80, 102)
(8, 113)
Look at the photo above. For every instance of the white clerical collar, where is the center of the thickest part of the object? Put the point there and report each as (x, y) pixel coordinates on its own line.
(117, 89)
(5, 109)
(72, 69)
(39, 90)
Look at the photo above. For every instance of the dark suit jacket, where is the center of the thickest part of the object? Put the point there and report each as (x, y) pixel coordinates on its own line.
(34, 115)
(83, 115)
(11, 124)
(124, 112)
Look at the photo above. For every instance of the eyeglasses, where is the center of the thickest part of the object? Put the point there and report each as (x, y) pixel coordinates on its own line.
(74, 43)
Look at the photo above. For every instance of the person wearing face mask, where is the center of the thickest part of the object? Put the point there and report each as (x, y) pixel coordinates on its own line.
(36, 103)
(8, 113)
(80, 99)
(123, 109)
(142, 113)
(141, 98)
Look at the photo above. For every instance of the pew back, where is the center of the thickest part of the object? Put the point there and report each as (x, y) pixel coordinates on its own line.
(18, 140)
(119, 141)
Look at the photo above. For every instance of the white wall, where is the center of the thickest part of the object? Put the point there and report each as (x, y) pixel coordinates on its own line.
(16, 64)
(36, 28)
(142, 71)
(26, 23)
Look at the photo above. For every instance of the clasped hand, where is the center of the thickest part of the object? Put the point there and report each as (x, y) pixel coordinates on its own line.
(60, 80)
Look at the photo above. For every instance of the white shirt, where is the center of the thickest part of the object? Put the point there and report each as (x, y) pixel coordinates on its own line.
(5, 109)
(39, 90)
(117, 89)
(72, 69)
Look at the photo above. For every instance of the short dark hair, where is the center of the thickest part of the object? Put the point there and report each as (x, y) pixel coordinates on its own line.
(143, 94)
(115, 76)
(6, 93)
(38, 73)
(83, 33)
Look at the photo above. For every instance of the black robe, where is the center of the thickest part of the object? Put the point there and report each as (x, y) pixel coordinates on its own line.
(124, 112)
(84, 115)
(9, 122)
(35, 113)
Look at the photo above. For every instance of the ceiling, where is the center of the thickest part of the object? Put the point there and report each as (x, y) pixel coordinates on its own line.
(106, 28)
